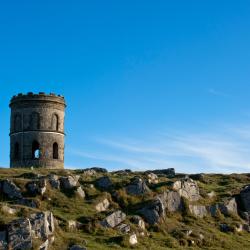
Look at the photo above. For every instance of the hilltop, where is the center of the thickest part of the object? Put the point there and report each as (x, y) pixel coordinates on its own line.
(95, 209)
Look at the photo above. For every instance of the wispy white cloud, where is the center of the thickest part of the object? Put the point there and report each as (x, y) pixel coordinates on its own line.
(221, 150)
(218, 93)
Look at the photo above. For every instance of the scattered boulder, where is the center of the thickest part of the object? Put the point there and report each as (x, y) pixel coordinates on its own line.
(153, 211)
(42, 224)
(104, 183)
(229, 207)
(54, 181)
(137, 187)
(37, 187)
(8, 210)
(19, 235)
(171, 200)
(114, 219)
(152, 178)
(245, 198)
(187, 188)
(123, 228)
(10, 189)
(80, 192)
(102, 205)
(198, 210)
(133, 239)
(74, 225)
(138, 221)
(69, 182)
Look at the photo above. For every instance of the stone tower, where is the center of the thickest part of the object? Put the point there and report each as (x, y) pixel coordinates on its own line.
(37, 130)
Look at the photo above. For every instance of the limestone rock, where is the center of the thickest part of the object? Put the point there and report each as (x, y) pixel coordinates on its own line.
(123, 228)
(187, 188)
(19, 235)
(80, 192)
(54, 181)
(8, 210)
(138, 221)
(229, 207)
(10, 189)
(74, 225)
(171, 200)
(153, 211)
(69, 182)
(104, 182)
(37, 187)
(45, 245)
(137, 187)
(198, 210)
(42, 224)
(102, 205)
(133, 239)
(245, 198)
(114, 219)
(152, 178)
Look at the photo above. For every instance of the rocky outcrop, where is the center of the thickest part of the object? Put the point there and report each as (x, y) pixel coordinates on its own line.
(114, 219)
(187, 188)
(229, 207)
(139, 222)
(19, 235)
(137, 187)
(42, 224)
(80, 192)
(133, 239)
(102, 205)
(10, 189)
(104, 183)
(198, 210)
(69, 182)
(54, 181)
(8, 210)
(153, 211)
(123, 228)
(74, 225)
(245, 198)
(171, 200)
(152, 178)
(37, 187)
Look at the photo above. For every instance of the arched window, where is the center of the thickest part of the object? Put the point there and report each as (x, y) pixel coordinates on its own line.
(55, 151)
(35, 150)
(17, 122)
(55, 122)
(16, 151)
(35, 121)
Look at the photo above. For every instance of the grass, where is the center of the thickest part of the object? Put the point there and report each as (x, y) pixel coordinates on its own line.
(170, 234)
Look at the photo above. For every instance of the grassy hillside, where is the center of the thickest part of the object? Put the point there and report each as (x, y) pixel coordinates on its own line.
(170, 233)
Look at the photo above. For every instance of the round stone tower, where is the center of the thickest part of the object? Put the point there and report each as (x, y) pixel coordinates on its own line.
(37, 131)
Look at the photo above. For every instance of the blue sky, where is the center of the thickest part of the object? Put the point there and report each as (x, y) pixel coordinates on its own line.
(149, 84)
